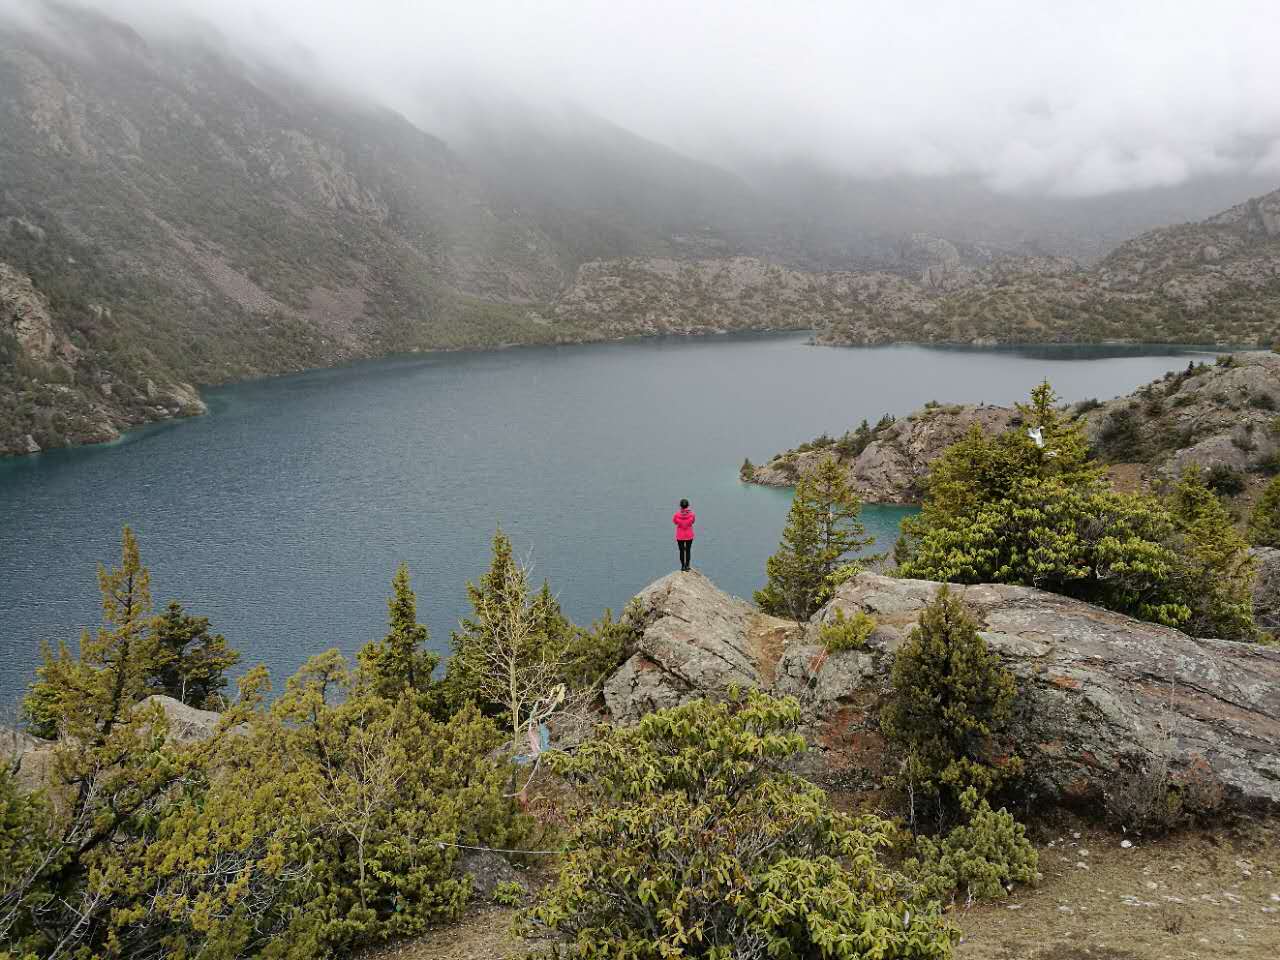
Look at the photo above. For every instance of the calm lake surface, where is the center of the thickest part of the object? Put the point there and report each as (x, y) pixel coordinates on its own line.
(283, 514)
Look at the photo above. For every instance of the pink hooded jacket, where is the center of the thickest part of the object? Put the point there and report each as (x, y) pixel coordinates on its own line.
(683, 519)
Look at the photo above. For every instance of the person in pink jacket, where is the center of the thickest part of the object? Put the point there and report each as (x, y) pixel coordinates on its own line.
(683, 519)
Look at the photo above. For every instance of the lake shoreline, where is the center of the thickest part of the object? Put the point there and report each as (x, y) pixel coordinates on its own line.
(283, 514)
(123, 430)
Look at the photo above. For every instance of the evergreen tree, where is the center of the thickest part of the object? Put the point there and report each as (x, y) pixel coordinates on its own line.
(1006, 509)
(1215, 567)
(113, 766)
(399, 662)
(823, 529)
(516, 649)
(1264, 522)
(465, 667)
(88, 695)
(192, 662)
(555, 631)
(951, 700)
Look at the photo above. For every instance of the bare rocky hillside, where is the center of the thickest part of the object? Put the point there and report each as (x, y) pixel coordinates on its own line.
(1217, 281)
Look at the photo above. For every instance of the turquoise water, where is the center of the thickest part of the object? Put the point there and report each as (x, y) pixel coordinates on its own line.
(283, 514)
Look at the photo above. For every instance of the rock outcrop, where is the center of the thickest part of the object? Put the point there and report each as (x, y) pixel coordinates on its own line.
(187, 724)
(24, 315)
(892, 467)
(1209, 416)
(695, 639)
(29, 759)
(1099, 693)
(32, 759)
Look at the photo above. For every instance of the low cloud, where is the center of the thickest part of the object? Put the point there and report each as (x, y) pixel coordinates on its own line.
(1081, 98)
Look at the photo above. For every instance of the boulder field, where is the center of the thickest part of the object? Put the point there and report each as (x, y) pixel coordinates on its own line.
(1099, 693)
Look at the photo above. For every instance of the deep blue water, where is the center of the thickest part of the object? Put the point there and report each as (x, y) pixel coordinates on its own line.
(283, 514)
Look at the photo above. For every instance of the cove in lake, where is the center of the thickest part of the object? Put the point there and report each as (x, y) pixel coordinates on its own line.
(283, 513)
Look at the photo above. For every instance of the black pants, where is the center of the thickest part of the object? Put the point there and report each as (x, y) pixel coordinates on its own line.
(685, 546)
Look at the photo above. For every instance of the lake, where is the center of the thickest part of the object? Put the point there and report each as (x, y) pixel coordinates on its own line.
(283, 513)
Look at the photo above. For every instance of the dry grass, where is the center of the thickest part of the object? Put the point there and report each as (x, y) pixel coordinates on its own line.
(1198, 895)
(1193, 896)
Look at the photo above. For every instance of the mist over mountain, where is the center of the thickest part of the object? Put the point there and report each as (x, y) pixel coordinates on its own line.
(192, 193)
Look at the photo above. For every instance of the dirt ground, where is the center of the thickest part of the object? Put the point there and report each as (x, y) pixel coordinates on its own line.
(1196, 896)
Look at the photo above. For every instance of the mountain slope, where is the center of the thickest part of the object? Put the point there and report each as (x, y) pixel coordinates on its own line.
(602, 192)
(182, 219)
(1217, 281)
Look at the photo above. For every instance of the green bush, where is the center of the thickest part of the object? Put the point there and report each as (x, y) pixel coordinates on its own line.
(508, 893)
(1262, 401)
(950, 705)
(1215, 571)
(691, 842)
(849, 633)
(1268, 464)
(1003, 510)
(979, 859)
(1264, 521)
(1226, 480)
(321, 823)
(1121, 438)
(593, 655)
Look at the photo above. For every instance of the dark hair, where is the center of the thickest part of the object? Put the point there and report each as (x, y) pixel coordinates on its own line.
(684, 504)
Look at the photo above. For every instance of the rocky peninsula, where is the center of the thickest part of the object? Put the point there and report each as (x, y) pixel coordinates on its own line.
(1223, 418)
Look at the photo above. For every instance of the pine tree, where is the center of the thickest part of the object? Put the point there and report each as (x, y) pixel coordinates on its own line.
(1264, 522)
(823, 529)
(113, 765)
(512, 657)
(192, 662)
(1215, 567)
(400, 662)
(87, 696)
(462, 680)
(951, 698)
(515, 649)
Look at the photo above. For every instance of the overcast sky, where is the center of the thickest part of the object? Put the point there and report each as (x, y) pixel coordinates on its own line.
(1072, 96)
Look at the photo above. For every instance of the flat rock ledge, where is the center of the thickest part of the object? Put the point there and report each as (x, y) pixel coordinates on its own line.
(1099, 692)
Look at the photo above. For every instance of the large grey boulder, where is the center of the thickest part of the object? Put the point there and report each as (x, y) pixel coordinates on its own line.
(32, 760)
(1098, 692)
(695, 640)
(29, 759)
(187, 724)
